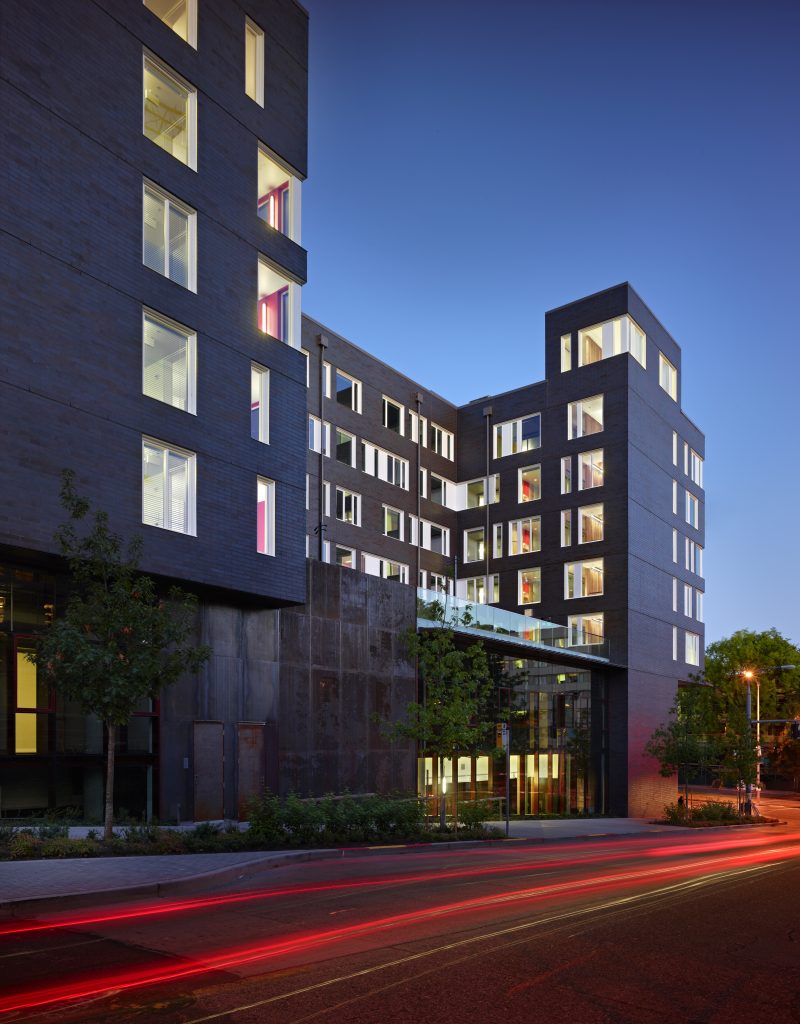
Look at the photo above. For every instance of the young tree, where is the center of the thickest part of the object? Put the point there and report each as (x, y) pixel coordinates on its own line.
(119, 641)
(452, 717)
(685, 740)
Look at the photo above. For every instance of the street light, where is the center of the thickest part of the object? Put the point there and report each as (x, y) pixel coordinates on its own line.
(749, 674)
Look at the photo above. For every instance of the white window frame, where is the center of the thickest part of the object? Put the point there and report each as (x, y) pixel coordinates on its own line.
(469, 589)
(401, 415)
(160, 68)
(260, 373)
(293, 228)
(696, 468)
(253, 31)
(355, 503)
(191, 484)
(699, 600)
(386, 509)
(674, 643)
(692, 648)
(191, 358)
(326, 498)
(586, 511)
(575, 418)
(566, 353)
(319, 435)
(521, 499)
(191, 234)
(515, 527)
(344, 547)
(687, 600)
(692, 510)
(577, 575)
(353, 447)
(481, 557)
(576, 627)
(537, 573)
(418, 428)
(442, 441)
(497, 540)
(674, 594)
(668, 376)
(422, 482)
(293, 313)
(584, 457)
(566, 527)
(269, 532)
(507, 436)
(566, 474)
(674, 448)
(675, 546)
(355, 391)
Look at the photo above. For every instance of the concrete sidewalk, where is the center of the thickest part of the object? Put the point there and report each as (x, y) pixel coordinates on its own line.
(33, 886)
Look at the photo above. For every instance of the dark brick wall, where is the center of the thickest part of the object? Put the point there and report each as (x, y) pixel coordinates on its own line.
(74, 283)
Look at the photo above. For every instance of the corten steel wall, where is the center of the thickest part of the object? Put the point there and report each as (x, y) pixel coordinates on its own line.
(74, 159)
(308, 680)
(377, 380)
(640, 418)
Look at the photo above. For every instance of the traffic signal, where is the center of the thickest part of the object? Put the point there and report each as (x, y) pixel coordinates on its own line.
(795, 729)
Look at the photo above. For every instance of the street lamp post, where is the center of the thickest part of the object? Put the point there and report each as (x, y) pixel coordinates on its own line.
(750, 674)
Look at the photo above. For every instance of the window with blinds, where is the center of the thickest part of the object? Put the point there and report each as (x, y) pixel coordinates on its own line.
(168, 487)
(169, 111)
(168, 361)
(168, 236)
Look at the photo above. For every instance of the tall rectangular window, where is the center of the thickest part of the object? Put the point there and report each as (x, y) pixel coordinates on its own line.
(259, 403)
(319, 436)
(675, 546)
(698, 605)
(392, 523)
(674, 594)
(525, 535)
(583, 579)
(393, 418)
(278, 203)
(348, 506)
(497, 546)
(529, 483)
(692, 510)
(674, 643)
(442, 441)
(169, 111)
(585, 417)
(674, 448)
(168, 487)
(687, 600)
(480, 589)
(180, 15)
(438, 489)
(474, 547)
(566, 474)
(566, 527)
(668, 376)
(566, 352)
(522, 435)
(169, 359)
(529, 586)
(692, 648)
(590, 470)
(265, 516)
(254, 61)
(696, 468)
(345, 448)
(674, 497)
(168, 237)
(418, 429)
(590, 523)
(274, 303)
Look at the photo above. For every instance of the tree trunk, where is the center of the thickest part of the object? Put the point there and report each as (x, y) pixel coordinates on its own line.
(108, 825)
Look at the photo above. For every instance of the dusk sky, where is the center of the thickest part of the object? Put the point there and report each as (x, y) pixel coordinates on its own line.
(473, 165)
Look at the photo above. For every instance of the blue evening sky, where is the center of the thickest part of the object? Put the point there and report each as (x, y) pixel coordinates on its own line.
(475, 164)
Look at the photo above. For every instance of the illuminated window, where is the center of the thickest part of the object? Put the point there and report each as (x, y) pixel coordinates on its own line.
(585, 417)
(169, 111)
(583, 579)
(524, 536)
(373, 565)
(590, 470)
(34, 701)
(265, 516)
(275, 303)
(612, 338)
(687, 600)
(566, 474)
(529, 585)
(566, 527)
(168, 237)
(259, 403)
(278, 196)
(692, 649)
(566, 352)
(590, 524)
(254, 61)
(480, 589)
(168, 361)
(180, 15)
(586, 629)
(168, 487)
(529, 483)
(345, 557)
(474, 545)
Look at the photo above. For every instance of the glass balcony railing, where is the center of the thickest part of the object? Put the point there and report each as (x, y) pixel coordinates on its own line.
(433, 606)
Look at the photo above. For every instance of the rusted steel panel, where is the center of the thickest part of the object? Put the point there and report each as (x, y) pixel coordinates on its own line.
(250, 744)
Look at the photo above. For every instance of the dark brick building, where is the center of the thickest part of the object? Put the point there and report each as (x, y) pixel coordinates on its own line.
(152, 340)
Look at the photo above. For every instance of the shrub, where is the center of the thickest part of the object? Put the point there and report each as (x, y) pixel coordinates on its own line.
(24, 845)
(473, 815)
(265, 818)
(675, 814)
(715, 810)
(141, 833)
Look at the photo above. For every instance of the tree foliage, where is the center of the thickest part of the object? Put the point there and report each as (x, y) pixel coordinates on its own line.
(119, 640)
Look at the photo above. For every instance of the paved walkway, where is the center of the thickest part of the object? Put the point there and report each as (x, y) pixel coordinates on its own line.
(36, 885)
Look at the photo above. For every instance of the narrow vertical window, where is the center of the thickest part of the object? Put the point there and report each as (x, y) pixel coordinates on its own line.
(566, 352)
(566, 475)
(168, 361)
(674, 448)
(274, 304)
(254, 61)
(259, 403)
(566, 527)
(674, 497)
(674, 594)
(278, 206)
(265, 516)
(675, 546)
(674, 643)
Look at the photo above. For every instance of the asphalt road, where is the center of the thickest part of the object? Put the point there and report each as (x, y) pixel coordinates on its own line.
(687, 927)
